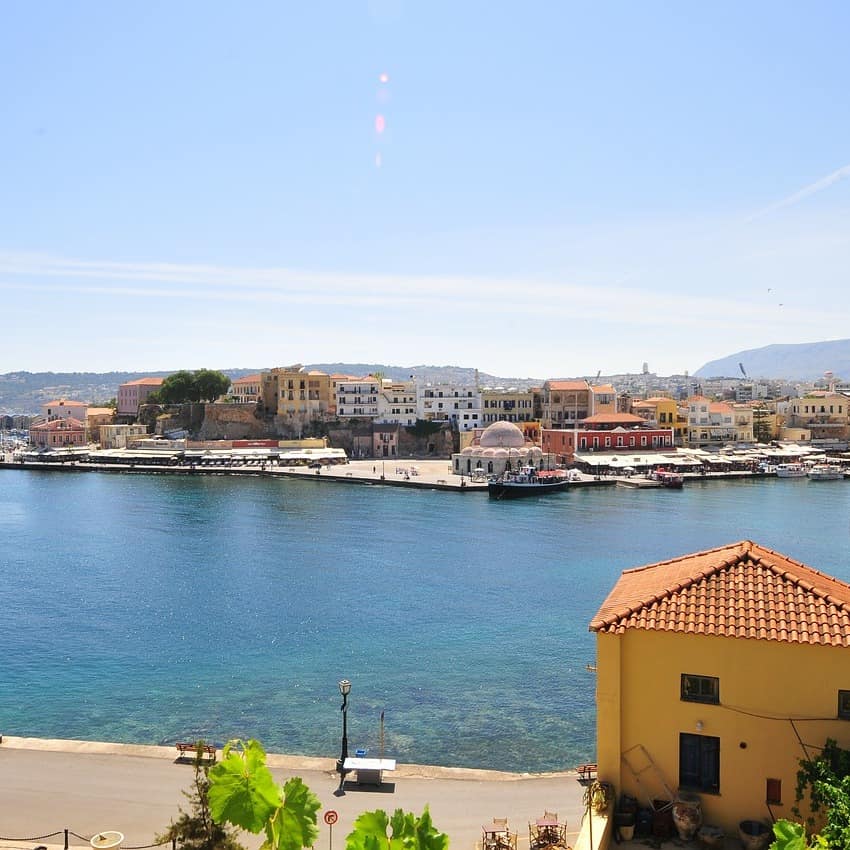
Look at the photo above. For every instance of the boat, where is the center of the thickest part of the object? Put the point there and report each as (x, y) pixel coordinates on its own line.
(668, 478)
(790, 470)
(825, 472)
(525, 481)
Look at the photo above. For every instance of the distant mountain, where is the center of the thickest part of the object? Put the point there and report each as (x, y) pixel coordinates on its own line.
(24, 392)
(805, 361)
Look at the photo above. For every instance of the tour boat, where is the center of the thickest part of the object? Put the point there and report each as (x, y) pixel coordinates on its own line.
(790, 470)
(526, 481)
(825, 472)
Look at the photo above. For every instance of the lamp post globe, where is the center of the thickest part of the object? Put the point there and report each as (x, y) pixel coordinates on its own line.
(345, 690)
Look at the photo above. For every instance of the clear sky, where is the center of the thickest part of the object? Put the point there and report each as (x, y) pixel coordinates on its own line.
(533, 189)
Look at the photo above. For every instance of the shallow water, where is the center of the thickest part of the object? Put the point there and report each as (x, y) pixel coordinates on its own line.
(153, 609)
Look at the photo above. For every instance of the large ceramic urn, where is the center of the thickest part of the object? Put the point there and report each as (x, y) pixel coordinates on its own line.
(687, 815)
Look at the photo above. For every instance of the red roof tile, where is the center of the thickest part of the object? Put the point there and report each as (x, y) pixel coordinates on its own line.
(743, 590)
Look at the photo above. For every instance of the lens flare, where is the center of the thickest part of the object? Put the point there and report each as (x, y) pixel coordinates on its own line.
(384, 78)
(380, 124)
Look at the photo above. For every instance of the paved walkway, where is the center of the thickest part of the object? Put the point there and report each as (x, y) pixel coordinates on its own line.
(88, 787)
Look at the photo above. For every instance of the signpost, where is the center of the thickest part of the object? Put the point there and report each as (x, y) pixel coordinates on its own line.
(331, 817)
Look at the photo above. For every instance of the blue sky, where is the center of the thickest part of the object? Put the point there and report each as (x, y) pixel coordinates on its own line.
(558, 188)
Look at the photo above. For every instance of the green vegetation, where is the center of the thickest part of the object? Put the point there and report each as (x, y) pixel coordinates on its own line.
(243, 793)
(184, 386)
(826, 780)
(195, 829)
(408, 832)
(423, 428)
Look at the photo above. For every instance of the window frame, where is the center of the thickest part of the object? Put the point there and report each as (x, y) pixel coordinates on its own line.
(844, 704)
(710, 696)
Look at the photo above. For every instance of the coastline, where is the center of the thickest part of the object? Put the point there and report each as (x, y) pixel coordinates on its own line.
(137, 790)
(282, 761)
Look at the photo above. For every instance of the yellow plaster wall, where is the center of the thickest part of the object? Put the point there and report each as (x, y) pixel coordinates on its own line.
(762, 684)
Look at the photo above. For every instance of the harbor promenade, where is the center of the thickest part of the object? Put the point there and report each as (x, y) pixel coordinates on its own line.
(88, 787)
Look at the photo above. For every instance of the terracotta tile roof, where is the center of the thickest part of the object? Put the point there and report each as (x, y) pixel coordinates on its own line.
(150, 382)
(608, 418)
(603, 388)
(742, 590)
(248, 379)
(65, 402)
(568, 385)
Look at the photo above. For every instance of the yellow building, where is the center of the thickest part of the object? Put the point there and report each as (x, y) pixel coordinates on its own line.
(661, 412)
(713, 670)
(296, 395)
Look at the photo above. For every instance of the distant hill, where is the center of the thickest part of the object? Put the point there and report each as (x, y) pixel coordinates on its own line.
(25, 392)
(805, 361)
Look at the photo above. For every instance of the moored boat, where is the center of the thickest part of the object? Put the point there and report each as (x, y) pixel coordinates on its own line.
(790, 470)
(825, 472)
(668, 478)
(526, 481)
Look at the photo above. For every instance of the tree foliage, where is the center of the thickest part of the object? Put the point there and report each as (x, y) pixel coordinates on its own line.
(185, 386)
(243, 793)
(195, 829)
(826, 780)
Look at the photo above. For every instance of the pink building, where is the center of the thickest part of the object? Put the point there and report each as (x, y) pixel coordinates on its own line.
(133, 394)
(58, 433)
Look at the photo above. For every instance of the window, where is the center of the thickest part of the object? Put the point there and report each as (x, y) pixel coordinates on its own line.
(700, 688)
(773, 792)
(844, 705)
(699, 762)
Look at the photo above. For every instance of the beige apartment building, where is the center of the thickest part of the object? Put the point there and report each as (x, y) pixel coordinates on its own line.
(295, 394)
(567, 403)
(819, 415)
(247, 390)
(511, 405)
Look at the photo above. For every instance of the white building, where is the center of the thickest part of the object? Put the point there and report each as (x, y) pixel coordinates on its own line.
(397, 402)
(459, 404)
(357, 397)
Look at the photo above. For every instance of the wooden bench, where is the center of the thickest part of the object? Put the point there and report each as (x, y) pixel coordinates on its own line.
(586, 772)
(204, 751)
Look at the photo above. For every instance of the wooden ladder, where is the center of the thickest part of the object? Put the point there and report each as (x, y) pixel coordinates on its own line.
(639, 763)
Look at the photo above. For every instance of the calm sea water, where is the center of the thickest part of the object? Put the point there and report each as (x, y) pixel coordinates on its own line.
(155, 609)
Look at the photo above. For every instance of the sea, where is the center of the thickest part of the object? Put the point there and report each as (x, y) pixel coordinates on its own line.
(152, 609)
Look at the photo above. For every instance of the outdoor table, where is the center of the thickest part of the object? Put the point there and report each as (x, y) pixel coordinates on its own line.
(369, 771)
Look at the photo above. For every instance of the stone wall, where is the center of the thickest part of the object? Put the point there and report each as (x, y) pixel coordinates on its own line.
(234, 422)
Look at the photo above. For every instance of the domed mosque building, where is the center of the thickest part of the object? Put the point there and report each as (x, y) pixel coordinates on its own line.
(501, 445)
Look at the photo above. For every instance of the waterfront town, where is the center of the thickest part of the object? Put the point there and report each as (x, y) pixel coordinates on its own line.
(295, 417)
(711, 620)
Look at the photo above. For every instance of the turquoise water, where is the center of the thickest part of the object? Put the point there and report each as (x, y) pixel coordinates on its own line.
(153, 609)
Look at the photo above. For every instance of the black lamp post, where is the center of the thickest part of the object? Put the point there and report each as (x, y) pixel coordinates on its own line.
(345, 690)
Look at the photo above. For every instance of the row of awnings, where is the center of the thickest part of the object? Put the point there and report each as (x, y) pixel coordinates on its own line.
(698, 457)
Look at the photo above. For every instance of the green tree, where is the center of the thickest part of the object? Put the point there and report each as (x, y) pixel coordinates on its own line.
(195, 829)
(211, 384)
(185, 386)
(761, 423)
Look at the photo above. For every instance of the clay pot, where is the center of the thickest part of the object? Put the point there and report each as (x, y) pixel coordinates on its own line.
(754, 834)
(687, 815)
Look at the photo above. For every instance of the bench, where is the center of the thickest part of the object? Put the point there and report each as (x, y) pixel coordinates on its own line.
(204, 751)
(586, 772)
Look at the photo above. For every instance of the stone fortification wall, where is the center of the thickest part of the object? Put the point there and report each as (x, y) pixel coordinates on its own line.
(234, 422)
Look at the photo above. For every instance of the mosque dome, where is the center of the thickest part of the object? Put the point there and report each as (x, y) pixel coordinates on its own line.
(503, 435)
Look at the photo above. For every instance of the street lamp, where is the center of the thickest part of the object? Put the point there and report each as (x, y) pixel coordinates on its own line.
(345, 690)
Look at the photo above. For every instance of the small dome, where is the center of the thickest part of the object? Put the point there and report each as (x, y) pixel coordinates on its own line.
(499, 452)
(503, 435)
(467, 451)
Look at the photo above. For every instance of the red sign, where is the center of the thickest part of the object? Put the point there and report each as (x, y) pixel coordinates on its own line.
(331, 817)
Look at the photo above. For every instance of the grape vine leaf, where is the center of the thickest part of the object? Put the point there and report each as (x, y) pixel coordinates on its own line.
(242, 789)
(294, 823)
(408, 832)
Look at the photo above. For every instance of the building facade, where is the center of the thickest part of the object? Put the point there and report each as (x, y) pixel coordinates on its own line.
(58, 433)
(714, 670)
(459, 404)
(133, 394)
